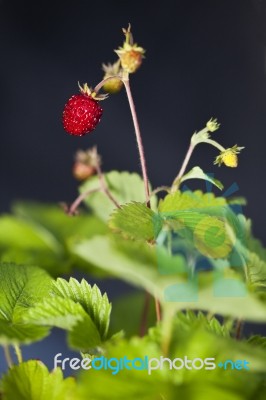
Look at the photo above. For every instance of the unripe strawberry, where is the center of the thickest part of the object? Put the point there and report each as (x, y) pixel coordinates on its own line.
(130, 54)
(82, 171)
(86, 163)
(112, 85)
(131, 57)
(229, 157)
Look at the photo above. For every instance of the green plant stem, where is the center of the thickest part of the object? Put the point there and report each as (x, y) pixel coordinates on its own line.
(160, 189)
(18, 353)
(167, 327)
(215, 144)
(79, 199)
(8, 356)
(139, 140)
(183, 167)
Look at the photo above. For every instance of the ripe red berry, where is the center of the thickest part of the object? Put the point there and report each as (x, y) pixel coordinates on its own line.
(81, 114)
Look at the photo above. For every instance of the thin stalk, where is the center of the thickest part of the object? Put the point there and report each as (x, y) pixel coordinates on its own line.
(139, 140)
(160, 189)
(8, 356)
(79, 199)
(183, 166)
(100, 84)
(18, 353)
(104, 187)
(158, 310)
(144, 315)
(239, 328)
(215, 144)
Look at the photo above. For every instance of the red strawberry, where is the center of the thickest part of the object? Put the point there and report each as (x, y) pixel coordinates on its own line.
(81, 114)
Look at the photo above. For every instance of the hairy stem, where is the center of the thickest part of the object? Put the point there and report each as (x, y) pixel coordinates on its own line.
(8, 356)
(139, 140)
(104, 187)
(79, 199)
(183, 166)
(18, 353)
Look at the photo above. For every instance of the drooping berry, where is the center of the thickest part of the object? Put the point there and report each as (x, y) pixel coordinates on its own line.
(86, 163)
(113, 72)
(81, 114)
(229, 157)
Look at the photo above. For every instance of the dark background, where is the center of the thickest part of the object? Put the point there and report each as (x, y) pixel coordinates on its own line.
(205, 58)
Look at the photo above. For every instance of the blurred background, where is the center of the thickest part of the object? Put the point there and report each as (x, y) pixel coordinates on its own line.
(205, 58)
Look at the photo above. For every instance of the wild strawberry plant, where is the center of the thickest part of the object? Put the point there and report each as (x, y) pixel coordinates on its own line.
(199, 273)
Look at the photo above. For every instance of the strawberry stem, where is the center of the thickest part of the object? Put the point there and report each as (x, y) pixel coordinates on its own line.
(18, 353)
(139, 140)
(8, 356)
(79, 199)
(136, 127)
(102, 83)
(104, 187)
(183, 167)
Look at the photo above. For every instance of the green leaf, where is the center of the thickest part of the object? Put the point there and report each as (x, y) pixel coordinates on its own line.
(204, 220)
(64, 313)
(95, 304)
(136, 221)
(125, 187)
(257, 340)
(31, 380)
(126, 384)
(167, 277)
(20, 289)
(170, 384)
(58, 312)
(78, 308)
(53, 219)
(188, 200)
(40, 234)
(14, 232)
(198, 173)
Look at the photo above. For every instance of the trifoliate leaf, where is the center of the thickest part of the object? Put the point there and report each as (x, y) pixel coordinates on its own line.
(197, 173)
(125, 187)
(31, 380)
(136, 221)
(20, 289)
